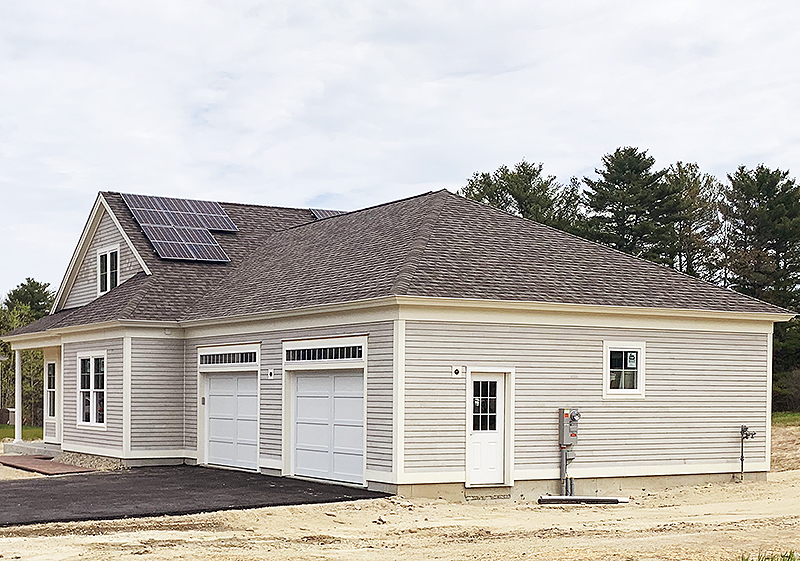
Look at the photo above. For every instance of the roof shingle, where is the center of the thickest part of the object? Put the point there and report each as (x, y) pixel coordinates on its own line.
(433, 245)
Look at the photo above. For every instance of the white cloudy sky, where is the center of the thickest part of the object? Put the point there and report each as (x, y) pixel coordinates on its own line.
(348, 104)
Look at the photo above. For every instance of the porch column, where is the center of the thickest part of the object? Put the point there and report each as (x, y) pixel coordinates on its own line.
(18, 396)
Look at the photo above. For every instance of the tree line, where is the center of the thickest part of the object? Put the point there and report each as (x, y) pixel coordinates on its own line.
(24, 304)
(742, 232)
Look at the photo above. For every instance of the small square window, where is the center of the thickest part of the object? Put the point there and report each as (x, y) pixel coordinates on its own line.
(623, 369)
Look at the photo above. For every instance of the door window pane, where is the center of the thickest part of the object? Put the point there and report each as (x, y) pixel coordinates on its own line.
(484, 405)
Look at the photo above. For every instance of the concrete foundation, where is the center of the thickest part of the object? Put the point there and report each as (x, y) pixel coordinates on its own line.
(529, 491)
(36, 448)
(149, 462)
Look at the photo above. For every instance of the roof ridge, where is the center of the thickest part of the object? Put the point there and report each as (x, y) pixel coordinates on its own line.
(231, 203)
(411, 263)
(358, 210)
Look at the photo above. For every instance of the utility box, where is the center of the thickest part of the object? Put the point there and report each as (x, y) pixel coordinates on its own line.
(568, 427)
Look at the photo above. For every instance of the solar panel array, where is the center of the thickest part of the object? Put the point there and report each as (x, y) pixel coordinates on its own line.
(180, 228)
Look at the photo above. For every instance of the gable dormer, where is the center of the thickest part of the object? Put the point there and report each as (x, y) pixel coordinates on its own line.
(104, 259)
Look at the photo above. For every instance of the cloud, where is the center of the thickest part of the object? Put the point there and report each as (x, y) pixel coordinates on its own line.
(351, 104)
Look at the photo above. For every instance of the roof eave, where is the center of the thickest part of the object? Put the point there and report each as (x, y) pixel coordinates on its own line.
(523, 305)
(517, 305)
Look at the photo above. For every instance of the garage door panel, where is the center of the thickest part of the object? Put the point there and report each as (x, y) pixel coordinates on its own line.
(219, 385)
(328, 429)
(308, 463)
(221, 406)
(347, 467)
(222, 429)
(219, 451)
(313, 385)
(247, 431)
(247, 405)
(348, 384)
(246, 452)
(312, 434)
(247, 385)
(350, 437)
(348, 408)
(312, 407)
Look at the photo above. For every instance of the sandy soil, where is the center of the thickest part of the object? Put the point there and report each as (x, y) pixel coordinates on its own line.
(709, 522)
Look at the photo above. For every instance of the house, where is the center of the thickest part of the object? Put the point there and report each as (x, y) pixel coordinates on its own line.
(422, 346)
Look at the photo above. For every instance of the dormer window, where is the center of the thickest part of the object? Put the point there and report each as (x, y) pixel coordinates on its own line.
(107, 270)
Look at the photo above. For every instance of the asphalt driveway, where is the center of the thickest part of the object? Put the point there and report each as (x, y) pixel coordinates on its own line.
(156, 491)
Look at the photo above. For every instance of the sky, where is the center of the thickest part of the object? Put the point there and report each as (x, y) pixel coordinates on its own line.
(349, 104)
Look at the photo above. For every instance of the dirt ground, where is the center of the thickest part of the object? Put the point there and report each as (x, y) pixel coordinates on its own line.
(709, 522)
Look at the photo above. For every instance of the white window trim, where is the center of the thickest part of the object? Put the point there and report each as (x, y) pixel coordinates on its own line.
(47, 390)
(105, 251)
(639, 392)
(91, 356)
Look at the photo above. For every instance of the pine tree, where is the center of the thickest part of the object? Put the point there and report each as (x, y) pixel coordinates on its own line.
(697, 226)
(527, 192)
(632, 208)
(761, 214)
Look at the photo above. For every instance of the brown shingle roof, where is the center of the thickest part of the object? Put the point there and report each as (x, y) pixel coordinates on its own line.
(434, 245)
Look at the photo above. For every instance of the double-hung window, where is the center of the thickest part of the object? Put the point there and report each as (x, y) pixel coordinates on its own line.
(623, 369)
(107, 269)
(92, 390)
(51, 389)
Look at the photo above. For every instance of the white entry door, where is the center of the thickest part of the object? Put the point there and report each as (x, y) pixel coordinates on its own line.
(329, 426)
(232, 420)
(486, 436)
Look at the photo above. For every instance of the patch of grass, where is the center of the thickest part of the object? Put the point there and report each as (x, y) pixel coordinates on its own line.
(788, 556)
(785, 419)
(28, 433)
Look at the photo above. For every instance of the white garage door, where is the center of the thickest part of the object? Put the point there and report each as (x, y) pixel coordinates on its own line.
(329, 426)
(233, 420)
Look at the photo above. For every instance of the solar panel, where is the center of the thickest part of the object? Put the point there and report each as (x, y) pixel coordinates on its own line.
(320, 213)
(179, 228)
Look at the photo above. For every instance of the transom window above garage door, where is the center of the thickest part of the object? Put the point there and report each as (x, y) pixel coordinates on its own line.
(326, 353)
(330, 352)
(229, 357)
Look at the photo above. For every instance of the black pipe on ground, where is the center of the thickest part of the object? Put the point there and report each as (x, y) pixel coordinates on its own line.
(575, 500)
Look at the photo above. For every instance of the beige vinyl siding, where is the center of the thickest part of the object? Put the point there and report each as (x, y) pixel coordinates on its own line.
(84, 288)
(700, 388)
(49, 429)
(111, 437)
(379, 385)
(157, 394)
